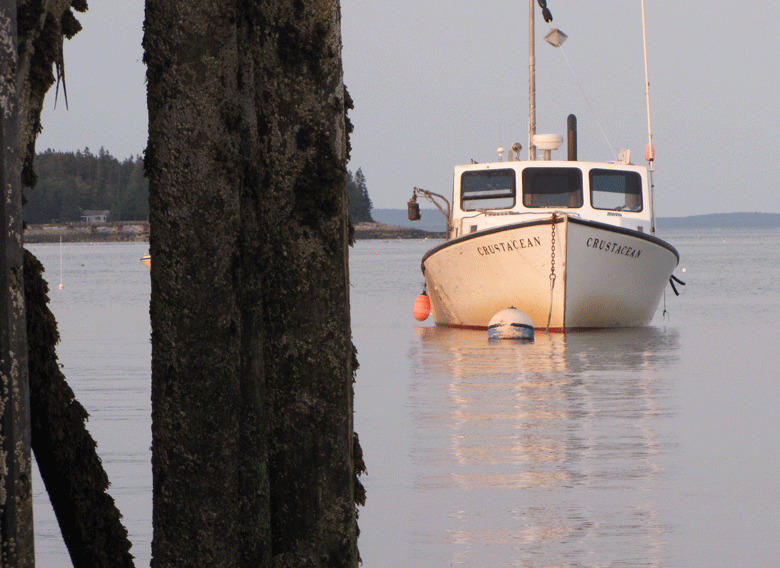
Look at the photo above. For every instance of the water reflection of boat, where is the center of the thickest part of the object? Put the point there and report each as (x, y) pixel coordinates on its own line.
(570, 243)
(464, 352)
(460, 353)
(535, 436)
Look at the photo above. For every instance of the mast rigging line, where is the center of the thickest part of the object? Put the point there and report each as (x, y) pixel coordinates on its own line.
(587, 101)
(532, 79)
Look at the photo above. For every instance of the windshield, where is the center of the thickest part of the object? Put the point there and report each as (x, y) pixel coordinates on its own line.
(552, 187)
(615, 190)
(487, 189)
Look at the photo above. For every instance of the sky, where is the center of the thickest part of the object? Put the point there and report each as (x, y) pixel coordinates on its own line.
(434, 88)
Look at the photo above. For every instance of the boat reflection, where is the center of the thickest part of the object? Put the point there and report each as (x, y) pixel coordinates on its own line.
(556, 441)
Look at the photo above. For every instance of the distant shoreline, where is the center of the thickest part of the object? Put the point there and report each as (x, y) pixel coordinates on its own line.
(722, 221)
(394, 225)
(130, 231)
(385, 231)
(432, 220)
(136, 231)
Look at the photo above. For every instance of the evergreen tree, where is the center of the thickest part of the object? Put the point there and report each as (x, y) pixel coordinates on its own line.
(359, 202)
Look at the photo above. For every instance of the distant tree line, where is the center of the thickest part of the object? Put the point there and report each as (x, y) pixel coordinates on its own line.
(69, 183)
(72, 182)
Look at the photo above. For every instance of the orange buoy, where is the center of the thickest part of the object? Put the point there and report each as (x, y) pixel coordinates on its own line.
(422, 307)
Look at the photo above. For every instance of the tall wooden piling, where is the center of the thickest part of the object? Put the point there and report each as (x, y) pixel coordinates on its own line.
(16, 522)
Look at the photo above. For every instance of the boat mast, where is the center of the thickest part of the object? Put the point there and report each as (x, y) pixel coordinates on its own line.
(532, 73)
(531, 85)
(650, 150)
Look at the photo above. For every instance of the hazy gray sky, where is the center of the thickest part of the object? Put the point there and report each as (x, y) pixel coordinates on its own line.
(436, 87)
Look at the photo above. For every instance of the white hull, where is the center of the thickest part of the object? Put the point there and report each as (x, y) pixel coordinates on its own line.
(605, 276)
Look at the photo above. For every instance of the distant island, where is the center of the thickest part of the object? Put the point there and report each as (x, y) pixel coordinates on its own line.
(722, 221)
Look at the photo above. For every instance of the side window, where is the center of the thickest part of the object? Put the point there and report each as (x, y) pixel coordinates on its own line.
(615, 190)
(487, 189)
(552, 187)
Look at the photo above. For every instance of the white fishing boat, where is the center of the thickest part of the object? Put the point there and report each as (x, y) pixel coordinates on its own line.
(570, 243)
(147, 260)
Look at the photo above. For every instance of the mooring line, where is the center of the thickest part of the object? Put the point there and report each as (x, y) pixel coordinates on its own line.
(552, 273)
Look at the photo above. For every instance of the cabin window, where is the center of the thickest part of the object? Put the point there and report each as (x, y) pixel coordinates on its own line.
(615, 190)
(487, 189)
(552, 187)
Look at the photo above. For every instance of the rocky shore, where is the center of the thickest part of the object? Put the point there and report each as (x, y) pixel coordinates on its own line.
(139, 232)
(384, 232)
(80, 232)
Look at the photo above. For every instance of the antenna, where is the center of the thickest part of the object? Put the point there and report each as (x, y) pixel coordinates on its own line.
(650, 150)
(531, 85)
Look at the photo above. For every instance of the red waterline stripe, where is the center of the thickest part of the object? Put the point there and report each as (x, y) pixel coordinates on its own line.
(484, 327)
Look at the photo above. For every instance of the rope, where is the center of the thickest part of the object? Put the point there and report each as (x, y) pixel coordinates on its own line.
(664, 314)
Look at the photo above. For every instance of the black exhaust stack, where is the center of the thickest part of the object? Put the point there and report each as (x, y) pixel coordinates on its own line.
(571, 127)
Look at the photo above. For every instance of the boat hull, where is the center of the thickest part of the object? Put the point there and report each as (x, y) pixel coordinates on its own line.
(563, 272)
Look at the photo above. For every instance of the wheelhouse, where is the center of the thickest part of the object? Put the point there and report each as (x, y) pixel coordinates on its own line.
(491, 195)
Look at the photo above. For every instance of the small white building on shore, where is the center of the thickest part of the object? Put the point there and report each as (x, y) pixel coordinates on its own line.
(93, 217)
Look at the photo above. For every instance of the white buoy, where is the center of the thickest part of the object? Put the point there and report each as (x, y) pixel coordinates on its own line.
(511, 324)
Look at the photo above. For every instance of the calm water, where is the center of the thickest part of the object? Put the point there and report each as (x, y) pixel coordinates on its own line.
(650, 447)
